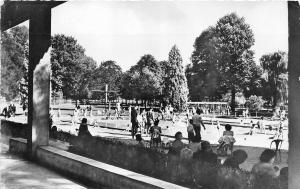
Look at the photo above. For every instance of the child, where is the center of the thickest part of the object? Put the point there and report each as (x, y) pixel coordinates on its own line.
(140, 140)
(173, 118)
(190, 130)
(155, 132)
(261, 125)
(227, 140)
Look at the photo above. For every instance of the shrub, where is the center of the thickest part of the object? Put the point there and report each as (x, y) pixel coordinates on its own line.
(191, 173)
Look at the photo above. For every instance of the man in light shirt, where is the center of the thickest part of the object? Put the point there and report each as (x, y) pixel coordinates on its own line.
(197, 122)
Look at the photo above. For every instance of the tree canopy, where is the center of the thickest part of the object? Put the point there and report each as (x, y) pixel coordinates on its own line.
(222, 59)
(275, 76)
(108, 73)
(71, 68)
(14, 63)
(143, 80)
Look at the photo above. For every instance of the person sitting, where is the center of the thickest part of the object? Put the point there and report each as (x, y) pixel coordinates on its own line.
(155, 132)
(177, 145)
(283, 178)
(238, 157)
(83, 129)
(226, 141)
(140, 140)
(195, 145)
(206, 154)
(265, 166)
(186, 153)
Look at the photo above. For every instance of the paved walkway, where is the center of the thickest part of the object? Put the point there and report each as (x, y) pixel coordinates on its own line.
(17, 173)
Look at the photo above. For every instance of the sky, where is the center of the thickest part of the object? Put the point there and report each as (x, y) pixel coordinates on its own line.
(124, 31)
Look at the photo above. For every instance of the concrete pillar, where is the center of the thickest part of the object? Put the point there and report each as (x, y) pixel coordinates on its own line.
(39, 79)
(294, 94)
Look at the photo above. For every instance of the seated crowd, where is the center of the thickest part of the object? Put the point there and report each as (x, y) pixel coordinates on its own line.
(201, 150)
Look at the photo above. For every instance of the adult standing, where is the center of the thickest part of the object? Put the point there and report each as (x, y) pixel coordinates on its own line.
(118, 110)
(197, 122)
(129, 111)
(193, 110)
(134, 121)
(5, 112)
(24, 107)
(150, 119)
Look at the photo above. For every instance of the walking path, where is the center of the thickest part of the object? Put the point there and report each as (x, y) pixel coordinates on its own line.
(17, 173)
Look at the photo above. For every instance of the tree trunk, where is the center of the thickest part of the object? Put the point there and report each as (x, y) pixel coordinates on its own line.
(232, 105)
(274, 99)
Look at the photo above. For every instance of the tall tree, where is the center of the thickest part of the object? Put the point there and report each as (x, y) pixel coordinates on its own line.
(14, 63)
(65, 54)
(71, 68)
(275, 75)
(202, 74)
(222, 55)
(235, 39)
(80, 88)
(175, 89)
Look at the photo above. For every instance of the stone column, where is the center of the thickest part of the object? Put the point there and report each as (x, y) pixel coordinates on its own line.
(39, 78)
(294, 94)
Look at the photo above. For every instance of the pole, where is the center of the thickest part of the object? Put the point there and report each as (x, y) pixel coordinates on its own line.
(106, 89)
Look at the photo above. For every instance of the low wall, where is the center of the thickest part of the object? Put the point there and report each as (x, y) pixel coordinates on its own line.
(18, 146)
(91, 170)
(14, 129)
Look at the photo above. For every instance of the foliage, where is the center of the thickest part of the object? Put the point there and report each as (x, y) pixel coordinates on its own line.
(143, 80)
(14, 63)
(192, 173)
(202, 74)
(107, 73)
(275, 77)
(175, 89)
(222, 58)
(71, 68)
(239, 98)
(255, 102)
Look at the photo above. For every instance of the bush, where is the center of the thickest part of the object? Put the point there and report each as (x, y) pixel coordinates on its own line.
(192, 173)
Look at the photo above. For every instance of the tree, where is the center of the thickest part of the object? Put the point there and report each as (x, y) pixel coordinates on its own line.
(175, 89)
(80, 88)
(276, 76)
(223, 57)
(255, 103)
(202, 75)
(14, 63)
(143, 80)
(255, 84)
(71, 68)
(235, 39)
(65, 54)
(107, 73)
